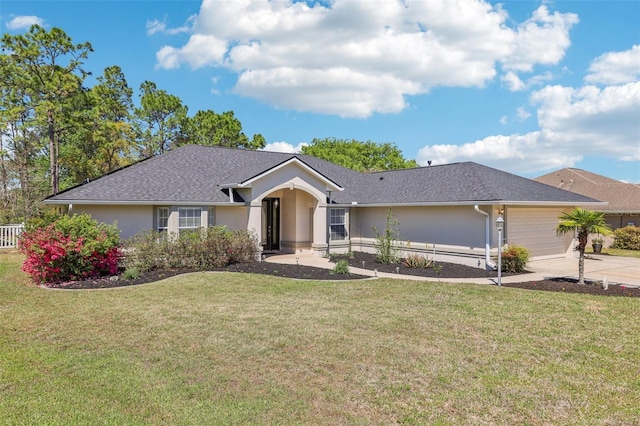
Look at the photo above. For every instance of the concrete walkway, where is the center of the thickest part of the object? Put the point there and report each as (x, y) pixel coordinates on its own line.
(617, 270)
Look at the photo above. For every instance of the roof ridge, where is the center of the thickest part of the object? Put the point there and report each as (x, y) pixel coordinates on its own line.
(418, 168)
(582, 175)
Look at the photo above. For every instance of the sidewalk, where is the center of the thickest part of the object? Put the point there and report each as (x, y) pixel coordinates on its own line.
(620, 270)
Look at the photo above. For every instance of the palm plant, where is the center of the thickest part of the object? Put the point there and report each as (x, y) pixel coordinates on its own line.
(585, 222)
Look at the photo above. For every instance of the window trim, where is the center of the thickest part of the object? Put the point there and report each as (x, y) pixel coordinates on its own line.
(342, 222)
(161, 217)
(196, 218)
(211, 217)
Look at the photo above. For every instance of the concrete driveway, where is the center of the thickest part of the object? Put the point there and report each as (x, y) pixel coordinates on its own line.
(621, 270)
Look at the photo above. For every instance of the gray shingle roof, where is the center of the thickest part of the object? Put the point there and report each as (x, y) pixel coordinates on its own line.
(193, 174)
(466, 182)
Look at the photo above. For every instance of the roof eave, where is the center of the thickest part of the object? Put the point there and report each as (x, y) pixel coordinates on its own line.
(143, 203)
(470, 203)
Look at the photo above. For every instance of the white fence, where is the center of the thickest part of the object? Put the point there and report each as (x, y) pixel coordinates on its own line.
(9, 235)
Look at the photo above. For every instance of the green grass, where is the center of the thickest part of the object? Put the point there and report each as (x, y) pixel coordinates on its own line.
(211, 348)
(616, 252)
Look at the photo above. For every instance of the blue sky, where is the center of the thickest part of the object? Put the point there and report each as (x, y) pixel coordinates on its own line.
(524, 86)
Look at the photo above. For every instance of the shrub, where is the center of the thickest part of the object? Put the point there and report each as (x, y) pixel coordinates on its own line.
(387, 251)
(131, 273)
(60, 248)
(202, 249)
(342, 267)
(417, 261)
(514, 259)
(44, 219)
(627, 238)
(437, 268)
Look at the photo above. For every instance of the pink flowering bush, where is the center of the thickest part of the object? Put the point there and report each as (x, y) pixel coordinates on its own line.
(62, 248)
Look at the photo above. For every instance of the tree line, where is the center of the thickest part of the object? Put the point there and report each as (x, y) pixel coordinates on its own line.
(57, 133)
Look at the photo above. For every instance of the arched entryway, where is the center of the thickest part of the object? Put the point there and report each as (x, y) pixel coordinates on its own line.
(289, 218)
(287, 221)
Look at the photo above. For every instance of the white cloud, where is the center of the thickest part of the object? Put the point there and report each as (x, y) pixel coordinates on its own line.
(504, 119)
(284, 147)
(214, 82)
(592, 120)
(572, 123)
(513, 82)
(522, 113)
(339, 91)
(356, 58)
(157, 26)
(24, 22)
(516, 153)
(542, 39)
(615, 67)
(201, 50)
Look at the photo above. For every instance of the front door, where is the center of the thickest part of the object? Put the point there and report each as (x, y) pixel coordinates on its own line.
(271, 224)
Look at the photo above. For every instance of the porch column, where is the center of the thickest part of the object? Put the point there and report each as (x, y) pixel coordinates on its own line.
(254, 223)
(320, 228)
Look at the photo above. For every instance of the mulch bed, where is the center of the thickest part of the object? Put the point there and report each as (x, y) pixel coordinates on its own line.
(445, 270)
(570, 285)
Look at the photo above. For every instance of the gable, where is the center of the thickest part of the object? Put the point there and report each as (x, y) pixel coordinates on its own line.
(291, 175)
(301, 168)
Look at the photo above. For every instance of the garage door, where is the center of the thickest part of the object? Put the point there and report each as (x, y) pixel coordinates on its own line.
(535, 229)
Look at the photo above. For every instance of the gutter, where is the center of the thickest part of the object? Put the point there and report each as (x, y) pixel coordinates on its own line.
(145, 203)
(487, 236)
(473, 202)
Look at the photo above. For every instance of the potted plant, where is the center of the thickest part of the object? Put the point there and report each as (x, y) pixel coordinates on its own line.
(596, 243)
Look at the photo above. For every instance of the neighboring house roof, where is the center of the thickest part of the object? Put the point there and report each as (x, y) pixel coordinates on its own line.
(199, 174)
(622, 197)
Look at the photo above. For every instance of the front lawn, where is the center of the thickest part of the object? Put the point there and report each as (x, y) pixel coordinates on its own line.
(616, 252)
(222, 348)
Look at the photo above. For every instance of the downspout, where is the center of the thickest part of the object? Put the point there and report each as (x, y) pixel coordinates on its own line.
(328, 219)
(487, 239)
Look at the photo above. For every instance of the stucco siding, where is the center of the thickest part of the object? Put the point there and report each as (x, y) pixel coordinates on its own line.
(288, 215)
(535, 229)
(131, 219)
(234, 218)
(455, 226)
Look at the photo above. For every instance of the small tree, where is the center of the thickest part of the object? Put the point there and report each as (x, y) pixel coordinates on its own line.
(585, 222)
(387, 251)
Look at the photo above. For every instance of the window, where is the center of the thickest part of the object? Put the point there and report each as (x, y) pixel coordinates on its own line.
(211, 218)
(163, 219)
(337, 224)
(188, 218)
